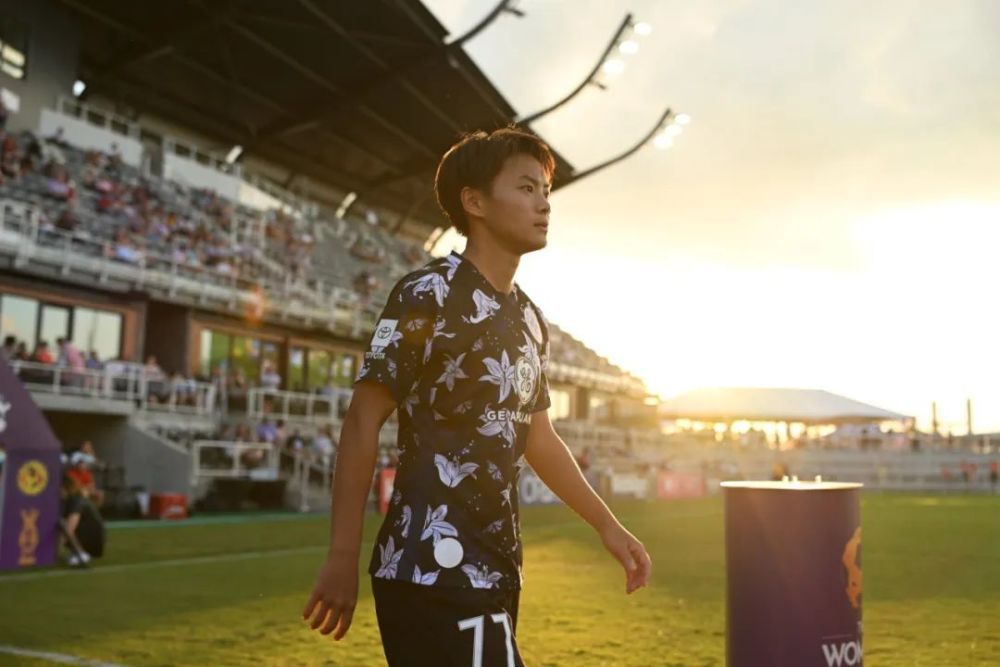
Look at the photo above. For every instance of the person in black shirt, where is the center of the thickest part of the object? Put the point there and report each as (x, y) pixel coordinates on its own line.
(461, 352)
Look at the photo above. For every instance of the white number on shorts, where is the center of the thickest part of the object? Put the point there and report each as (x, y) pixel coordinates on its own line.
(476, 623)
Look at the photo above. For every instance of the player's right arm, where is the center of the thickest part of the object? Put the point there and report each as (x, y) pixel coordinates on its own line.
(331, 605)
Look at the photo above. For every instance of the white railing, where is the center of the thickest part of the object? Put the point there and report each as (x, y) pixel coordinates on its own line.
(55, 379)
(218, 458)
(130, 383)
(305, 465)
(290, 406)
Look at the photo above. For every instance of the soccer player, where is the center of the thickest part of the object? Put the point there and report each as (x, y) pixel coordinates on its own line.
(461, 353)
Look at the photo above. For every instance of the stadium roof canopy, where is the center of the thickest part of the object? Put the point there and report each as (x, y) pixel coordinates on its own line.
(808, 406)
(362, 96)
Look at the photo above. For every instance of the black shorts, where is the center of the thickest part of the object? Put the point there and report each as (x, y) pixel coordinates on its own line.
(446, 627)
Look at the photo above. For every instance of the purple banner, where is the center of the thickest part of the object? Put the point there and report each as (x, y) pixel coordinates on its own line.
(29, 490)
(793, 565)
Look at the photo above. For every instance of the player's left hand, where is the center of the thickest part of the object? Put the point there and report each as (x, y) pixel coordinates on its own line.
(629, 551)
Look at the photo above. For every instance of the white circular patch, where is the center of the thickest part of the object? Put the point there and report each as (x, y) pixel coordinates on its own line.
(448, 552)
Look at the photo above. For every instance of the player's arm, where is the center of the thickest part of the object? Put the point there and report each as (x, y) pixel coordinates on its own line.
(554, 464)
(331, 605)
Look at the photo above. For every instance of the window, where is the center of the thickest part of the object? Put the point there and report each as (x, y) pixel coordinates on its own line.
(560, 408)
(97, 330)
(345, 370)
(19, 318)
(319, 368)
(54, 324)
(214, 352)
(13, 47)
(297, 369)
(246, 356)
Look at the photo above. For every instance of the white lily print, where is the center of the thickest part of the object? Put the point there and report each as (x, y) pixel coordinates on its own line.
(481, 577)
(410, 401)
(503, 427)
(531, 320)
(405, 520)
(389, 558)
(501, 373)
(494, 471)
(435, 526)
(485, 307)
(495, 526)
(438, 331)
(390, 367)
(505, 494)
(453, 261)
(416, 324)
(430, 282)
(452, 371)
(428, 579)
(450, 472)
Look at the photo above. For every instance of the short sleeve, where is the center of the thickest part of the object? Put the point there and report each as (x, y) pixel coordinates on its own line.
(542, 400)
(400, 344)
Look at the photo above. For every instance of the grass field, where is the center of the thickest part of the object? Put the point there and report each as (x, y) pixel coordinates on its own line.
(224, 592)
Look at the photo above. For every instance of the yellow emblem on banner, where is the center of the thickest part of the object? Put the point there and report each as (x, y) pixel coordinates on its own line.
(32, 478)
(850, 560)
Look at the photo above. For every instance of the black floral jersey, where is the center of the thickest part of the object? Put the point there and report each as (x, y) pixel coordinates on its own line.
(466, 365)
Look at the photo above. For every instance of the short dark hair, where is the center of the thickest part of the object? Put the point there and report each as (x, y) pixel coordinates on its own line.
(476, 159)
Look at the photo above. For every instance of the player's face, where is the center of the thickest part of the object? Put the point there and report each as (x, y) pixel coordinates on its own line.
(516, 212)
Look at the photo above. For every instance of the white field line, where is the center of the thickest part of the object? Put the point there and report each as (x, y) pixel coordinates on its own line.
(251, 555)
(60, 658)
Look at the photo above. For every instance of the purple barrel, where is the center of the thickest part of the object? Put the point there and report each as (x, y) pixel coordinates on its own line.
(793, 569)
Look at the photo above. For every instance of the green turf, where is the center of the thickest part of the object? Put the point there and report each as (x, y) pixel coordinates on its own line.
(931, 568)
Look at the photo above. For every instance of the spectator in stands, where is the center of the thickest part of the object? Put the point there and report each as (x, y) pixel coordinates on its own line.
(4, 114)
(270, 378)
(267, 432)
(994, 475)
(94, 362)
(322, 446)
(183, 389)
(21, 353)
(156, 380)
(69, 354)
(10, 159)
(68, 220)
(124, 249)
(9, 347)
(42, 354)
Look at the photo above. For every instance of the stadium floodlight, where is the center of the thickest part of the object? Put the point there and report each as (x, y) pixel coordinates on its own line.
(613, 66)
(673, 130)
(663, 141)
(609, 65)
(78, 88)
(629, 47)
(642, 28)
(234, 154)
(682, 119)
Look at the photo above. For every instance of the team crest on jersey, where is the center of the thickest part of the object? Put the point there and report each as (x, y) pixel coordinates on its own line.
(526, 379)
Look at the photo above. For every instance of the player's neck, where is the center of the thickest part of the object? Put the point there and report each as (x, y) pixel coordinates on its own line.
(497, 265)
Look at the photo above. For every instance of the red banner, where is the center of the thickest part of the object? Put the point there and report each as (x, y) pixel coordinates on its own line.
(679, 485)
(386, 482)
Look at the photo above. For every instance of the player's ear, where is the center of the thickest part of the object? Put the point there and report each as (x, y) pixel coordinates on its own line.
(473, 201)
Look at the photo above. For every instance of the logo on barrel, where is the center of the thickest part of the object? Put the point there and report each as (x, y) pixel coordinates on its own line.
(32, 478)
(851, 560)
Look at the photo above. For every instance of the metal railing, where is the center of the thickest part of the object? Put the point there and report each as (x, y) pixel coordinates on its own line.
(233, 460)
(131, 383)
(290, 406)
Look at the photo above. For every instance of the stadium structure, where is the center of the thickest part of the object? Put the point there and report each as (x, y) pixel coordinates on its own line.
(211, 200)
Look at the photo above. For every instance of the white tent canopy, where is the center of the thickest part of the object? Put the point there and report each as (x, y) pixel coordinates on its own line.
(807, 406)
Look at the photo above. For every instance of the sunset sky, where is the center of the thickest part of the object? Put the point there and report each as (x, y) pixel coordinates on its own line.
(830, 219)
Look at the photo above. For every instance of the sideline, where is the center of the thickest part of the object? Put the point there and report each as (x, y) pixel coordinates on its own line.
(60, 658)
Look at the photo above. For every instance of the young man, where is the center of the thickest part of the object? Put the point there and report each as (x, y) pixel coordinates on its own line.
(460, 351)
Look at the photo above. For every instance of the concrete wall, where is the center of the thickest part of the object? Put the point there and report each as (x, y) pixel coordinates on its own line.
(52, 59)
(157, 465)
